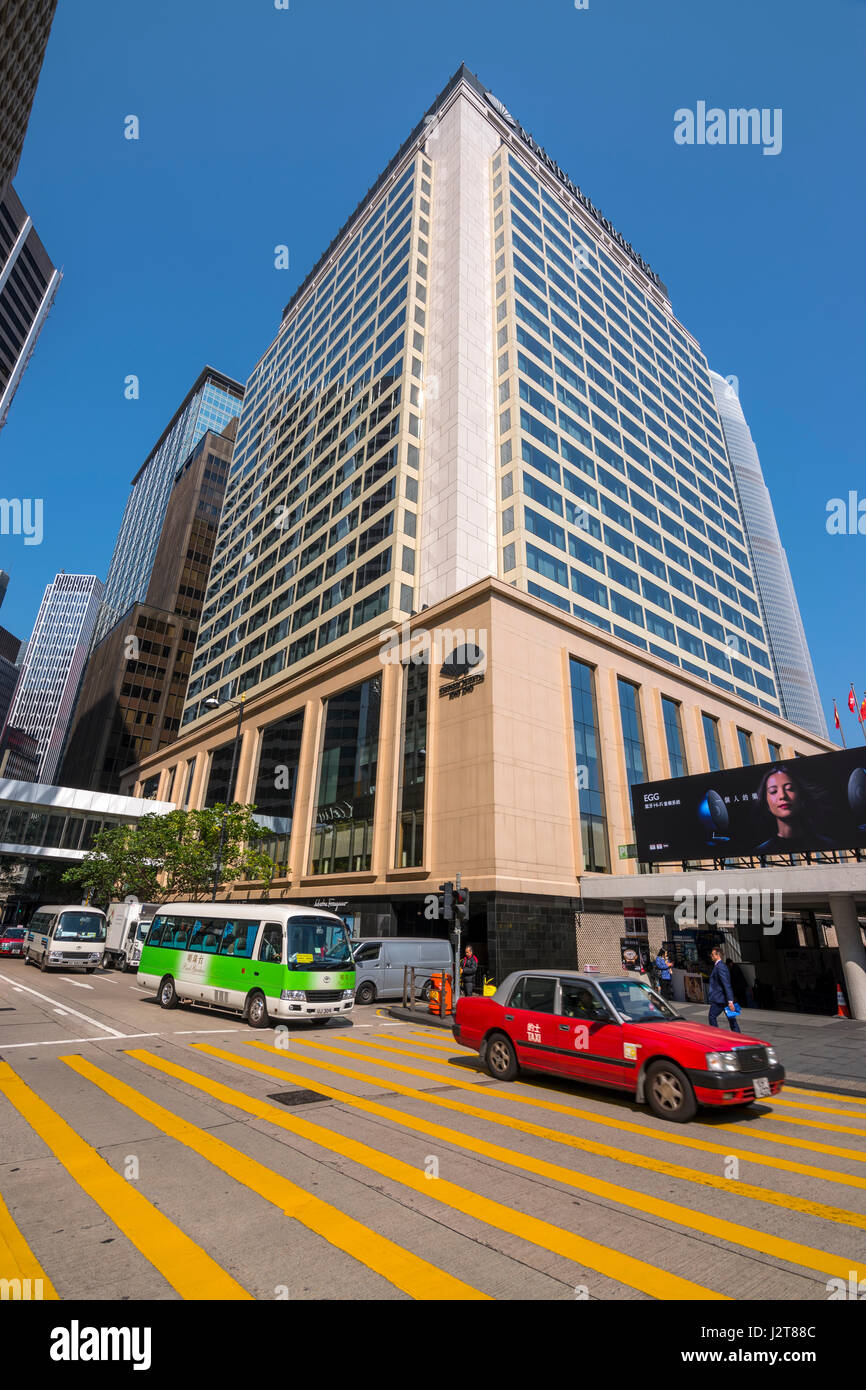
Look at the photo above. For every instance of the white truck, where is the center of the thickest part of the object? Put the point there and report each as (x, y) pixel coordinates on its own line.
(127, 928)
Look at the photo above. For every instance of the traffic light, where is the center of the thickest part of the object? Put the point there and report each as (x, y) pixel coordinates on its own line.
(447, 891)
(461, 906)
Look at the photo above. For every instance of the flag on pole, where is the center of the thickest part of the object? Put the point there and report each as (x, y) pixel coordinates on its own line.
(852, 700)
(836, 715)
(863, 710)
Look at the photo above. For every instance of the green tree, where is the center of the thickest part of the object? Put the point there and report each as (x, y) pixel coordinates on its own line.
(173, 857)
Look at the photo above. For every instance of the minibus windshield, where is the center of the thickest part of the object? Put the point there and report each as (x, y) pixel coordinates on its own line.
(80, 926)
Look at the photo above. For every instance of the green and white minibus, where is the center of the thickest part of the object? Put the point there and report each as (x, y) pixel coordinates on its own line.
(262, 960)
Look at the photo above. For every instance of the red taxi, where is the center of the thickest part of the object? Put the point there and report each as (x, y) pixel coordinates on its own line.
(610, 1030)
(11, 941)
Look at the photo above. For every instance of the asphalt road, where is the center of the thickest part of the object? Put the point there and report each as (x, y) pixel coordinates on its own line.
(147, 1154)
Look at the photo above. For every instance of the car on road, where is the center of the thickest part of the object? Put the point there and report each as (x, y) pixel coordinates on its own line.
(610, 1030)
(11, 941)
(381, 961)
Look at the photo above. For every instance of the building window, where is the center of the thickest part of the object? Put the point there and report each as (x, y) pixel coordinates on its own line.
(632, 733)
(343, 831)
(220, 780)
(410, 828)
(711, 739)
(775, 752)
(189, 777)
(590, 783)
(674, 735)
(745, 742)
(276, 783)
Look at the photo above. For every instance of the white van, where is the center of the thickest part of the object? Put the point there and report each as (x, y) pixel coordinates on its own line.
(380, 962)
(128, 924)
(65, 937)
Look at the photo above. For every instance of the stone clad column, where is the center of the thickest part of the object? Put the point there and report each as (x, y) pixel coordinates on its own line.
(844, 911)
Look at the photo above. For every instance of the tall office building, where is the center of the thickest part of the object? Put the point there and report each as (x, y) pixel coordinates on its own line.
(480, 377)
(4, 585)
(133, 688)
(481, 415)
(212, 401)
(11, 655)
(28, 284)
(52, 668)
(24, 29)
(789, 652)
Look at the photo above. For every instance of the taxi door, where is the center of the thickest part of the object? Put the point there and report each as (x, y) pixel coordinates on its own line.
(594, 1050)
(532, 1023)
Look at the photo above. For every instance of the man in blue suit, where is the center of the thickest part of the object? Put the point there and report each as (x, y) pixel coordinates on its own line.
(720, 991)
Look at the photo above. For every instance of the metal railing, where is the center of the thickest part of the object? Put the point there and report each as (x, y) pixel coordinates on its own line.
(409, 980)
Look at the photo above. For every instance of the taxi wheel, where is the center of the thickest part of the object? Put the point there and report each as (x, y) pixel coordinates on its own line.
(257, 1010)
(500, 1059)
(669, 1093)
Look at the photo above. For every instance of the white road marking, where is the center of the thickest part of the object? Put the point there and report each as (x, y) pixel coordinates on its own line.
(182, 1032)
(79, 984)
(114, 1032)
(62, 1011)
(62, 1042)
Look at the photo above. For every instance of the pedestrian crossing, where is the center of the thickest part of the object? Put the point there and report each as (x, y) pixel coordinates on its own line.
(432, 1181)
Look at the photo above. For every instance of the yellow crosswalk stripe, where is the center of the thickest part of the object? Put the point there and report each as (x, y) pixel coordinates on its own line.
(187, 1268)
(626, 1269)
(729, 1185)
(17, 1261)
(594, 1116)
(669, 1211)
(681, 1140)
(816, 1109)
(408, 1272)
(824, 1125)
(824, 1095)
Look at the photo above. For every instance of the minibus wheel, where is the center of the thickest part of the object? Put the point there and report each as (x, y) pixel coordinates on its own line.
(167, 993)
(43, 964)
(257, 1010)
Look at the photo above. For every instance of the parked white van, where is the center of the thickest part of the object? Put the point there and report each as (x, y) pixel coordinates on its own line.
(380, 962)
(65, 937)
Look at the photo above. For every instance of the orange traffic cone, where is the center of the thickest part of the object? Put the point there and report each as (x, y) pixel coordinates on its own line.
(841, 1006)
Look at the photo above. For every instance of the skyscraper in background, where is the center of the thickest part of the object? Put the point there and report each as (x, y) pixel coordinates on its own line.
(480, 377)
(56, 653)
(789, 652)
(212, 401)
(24, 29)
(28, 284)
(134, 685)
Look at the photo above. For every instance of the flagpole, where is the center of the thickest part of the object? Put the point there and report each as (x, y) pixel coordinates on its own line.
(853, 701)
(838, 723)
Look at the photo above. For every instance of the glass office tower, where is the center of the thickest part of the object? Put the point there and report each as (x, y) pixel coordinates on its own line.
(213, 400)
(56, 653)
(792, 664)
(479, 377)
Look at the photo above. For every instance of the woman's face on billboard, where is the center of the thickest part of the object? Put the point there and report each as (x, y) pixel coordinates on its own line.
(782, 796)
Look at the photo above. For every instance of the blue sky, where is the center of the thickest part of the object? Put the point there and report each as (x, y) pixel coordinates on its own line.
(262, 127)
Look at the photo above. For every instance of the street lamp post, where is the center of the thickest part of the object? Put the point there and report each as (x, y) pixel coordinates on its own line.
(214, 703)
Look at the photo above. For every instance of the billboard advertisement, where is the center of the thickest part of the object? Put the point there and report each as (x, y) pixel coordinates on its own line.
(788, 807)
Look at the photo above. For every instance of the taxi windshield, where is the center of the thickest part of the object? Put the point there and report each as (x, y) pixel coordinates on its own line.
(638, 1003)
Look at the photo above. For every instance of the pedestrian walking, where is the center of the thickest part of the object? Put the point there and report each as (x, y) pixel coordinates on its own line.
(663, 965)
(721, 991)
(468, 971)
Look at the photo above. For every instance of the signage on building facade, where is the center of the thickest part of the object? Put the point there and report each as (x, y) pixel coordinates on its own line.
(460, 669)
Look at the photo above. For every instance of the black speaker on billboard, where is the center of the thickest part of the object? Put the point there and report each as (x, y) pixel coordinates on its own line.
(713, 815)
(857, 795)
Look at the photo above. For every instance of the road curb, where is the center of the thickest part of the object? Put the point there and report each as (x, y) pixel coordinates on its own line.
(419, 1016)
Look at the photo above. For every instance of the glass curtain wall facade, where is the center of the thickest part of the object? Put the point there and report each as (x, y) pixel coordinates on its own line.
(590, 781)
(678, 766)
(318, 531)
(343, 829)
(617, 498)
(276, 784)
(410, 830)
(52, 668)
(213, 401)
(219, 788)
